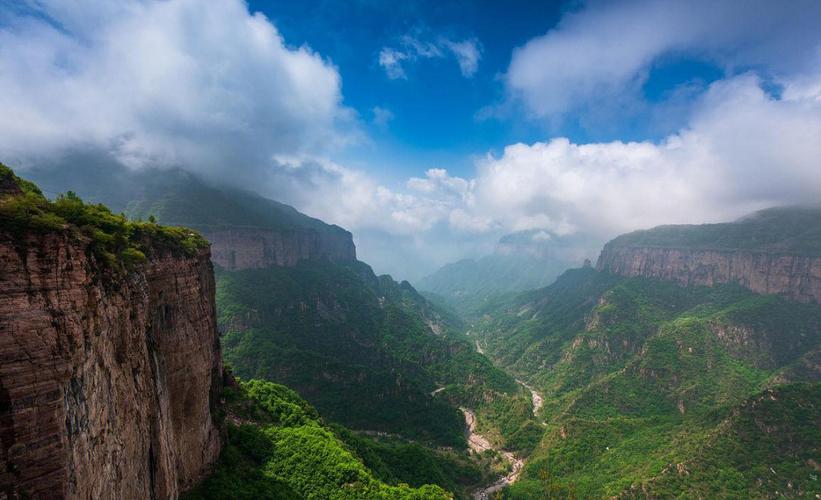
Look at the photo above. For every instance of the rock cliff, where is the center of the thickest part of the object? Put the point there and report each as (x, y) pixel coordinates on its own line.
(776, 251)
(108, 380)
(247, 248)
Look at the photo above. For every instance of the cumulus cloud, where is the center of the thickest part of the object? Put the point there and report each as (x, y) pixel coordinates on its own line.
(206, 85)
(743, 150)
(601, 54)
(412, 48)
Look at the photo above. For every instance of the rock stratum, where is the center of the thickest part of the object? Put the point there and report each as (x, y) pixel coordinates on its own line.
(247, 248)
(776, 251)
(107, 381)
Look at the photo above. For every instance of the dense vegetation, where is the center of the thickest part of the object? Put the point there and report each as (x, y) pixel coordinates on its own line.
(112, 239)
(279, 448)
(794, 230)
(365, 350)
(651, 387)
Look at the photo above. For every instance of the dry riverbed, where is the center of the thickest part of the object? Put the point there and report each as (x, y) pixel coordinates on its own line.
(479, 444)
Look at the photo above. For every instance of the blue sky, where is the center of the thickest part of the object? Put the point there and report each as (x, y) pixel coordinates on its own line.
(437, 115)
(430, 129)
(352, 37)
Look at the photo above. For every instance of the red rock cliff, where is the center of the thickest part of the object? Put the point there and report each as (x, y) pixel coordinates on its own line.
(241, 248)
(106, 385)
(797, 277)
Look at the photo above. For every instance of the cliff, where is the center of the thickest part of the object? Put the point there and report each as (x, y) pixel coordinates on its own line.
(246, 248)
(775, 251)
(109, 357)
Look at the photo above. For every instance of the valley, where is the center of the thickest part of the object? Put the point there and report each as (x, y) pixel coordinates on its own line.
(321, 379)
(418, 250)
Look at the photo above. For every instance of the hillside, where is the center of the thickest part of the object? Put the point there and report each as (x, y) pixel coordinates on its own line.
(245, 229)
(112, 383)
(369, 353)
(645, 381)
(279, 448)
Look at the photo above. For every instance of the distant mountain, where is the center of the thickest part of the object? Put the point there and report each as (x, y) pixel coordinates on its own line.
(244, 228)
(521, 261)
(653, 389)
(771, 251)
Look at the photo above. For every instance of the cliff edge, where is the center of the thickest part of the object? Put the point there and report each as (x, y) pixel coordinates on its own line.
(110, 367)
(775, 251)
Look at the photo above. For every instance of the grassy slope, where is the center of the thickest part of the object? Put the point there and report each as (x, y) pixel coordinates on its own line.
(113, 240)
(279, 448)
(641, 375)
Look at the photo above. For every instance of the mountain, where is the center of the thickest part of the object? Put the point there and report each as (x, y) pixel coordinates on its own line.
(112, 383)
(369, 353)
(654, 389)
(521, 261)
(772, 251)
(111, 369)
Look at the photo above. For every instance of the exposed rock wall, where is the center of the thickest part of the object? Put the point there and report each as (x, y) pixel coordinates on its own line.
(797, 277)
(107, 383)
(240, 248)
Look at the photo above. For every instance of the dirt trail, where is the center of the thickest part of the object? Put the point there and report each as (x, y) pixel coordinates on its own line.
(479, 443)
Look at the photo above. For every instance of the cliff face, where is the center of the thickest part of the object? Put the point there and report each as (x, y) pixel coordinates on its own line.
(240, 248)
(797, 277)
(107, 384)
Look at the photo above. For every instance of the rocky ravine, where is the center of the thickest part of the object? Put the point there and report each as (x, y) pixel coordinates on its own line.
(107, 382)
(480, 444)
(796, 277)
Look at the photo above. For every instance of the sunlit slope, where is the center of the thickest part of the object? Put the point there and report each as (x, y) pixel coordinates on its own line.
(643, 378)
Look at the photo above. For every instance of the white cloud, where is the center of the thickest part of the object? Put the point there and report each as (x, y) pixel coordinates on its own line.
(743, 150)
(412, 48)
(601, 55)
(202, 84)
(391, 60)
(467, 54)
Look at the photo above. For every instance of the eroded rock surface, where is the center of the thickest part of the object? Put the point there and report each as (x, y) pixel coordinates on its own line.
(107, 381)
(795, 276)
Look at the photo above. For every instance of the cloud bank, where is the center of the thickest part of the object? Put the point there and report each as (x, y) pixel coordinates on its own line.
(182, 82)
(215, 89)
(743, 150)
(601, 55)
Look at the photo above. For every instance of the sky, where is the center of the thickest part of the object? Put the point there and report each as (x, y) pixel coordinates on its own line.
(430, 129)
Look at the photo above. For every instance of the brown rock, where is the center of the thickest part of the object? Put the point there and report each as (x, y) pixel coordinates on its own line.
(107, 383)
(239, 248)
(796, 277)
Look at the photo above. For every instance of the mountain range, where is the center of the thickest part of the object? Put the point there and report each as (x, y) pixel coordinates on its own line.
(266, 361)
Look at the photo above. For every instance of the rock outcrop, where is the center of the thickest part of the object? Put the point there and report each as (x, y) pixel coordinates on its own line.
(248, 248)
(794, 276)
(108, 382)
